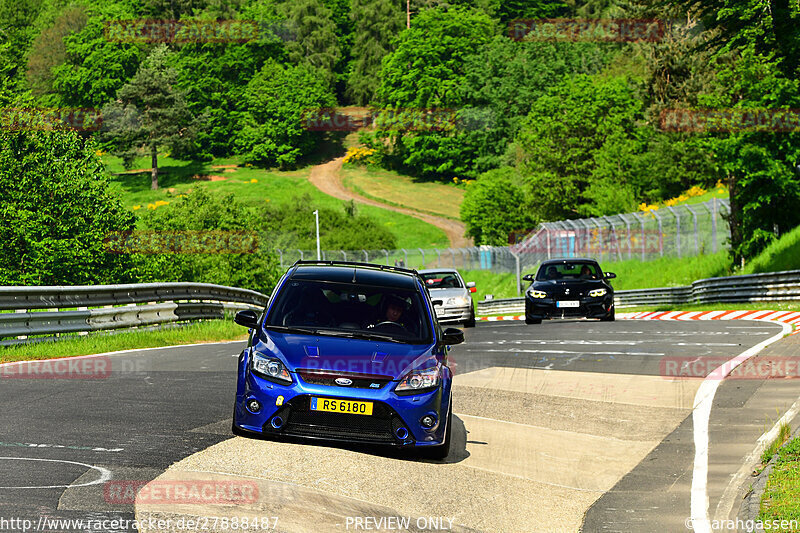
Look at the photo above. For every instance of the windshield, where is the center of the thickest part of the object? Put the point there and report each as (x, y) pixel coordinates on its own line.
(441, 280)
(339, 309)
(576, 270)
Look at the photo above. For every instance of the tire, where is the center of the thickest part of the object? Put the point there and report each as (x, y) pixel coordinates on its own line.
(533, 320)
(443, 450)
(609, 317)
(471, 322)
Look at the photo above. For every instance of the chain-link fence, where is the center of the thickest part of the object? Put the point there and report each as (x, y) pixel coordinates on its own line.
(679, 231)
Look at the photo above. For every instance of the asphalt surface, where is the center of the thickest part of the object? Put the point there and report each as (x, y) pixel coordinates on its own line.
(559, 426)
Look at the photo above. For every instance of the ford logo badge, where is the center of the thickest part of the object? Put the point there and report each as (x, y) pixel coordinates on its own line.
(344, 382)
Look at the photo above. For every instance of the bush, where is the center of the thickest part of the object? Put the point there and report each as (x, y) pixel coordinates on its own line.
(201, 212)
(56, 211)
(292, 226)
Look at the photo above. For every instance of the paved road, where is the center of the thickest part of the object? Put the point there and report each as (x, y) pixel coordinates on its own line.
(561, 426)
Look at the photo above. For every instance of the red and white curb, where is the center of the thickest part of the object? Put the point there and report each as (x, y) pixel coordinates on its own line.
(784, 317)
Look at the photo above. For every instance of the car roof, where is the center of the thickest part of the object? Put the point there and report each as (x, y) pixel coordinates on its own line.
(569, 260)
(357, 273)
(438, 270)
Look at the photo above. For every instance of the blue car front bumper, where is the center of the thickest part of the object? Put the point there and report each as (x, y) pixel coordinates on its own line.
(395, 420)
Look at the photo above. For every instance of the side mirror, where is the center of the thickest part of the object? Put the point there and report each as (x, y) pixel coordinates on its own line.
(247, 318)
(527, 277)
(452, 336)
(471, 286)
(610, 275)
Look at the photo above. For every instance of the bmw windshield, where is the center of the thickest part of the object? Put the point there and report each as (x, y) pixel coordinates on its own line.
(572, 271)
(345, 310)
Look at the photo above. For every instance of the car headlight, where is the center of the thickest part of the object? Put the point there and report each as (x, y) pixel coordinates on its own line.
(537, 294)
(419, 380)
(597, 293)
(270, 368)
(459, 300)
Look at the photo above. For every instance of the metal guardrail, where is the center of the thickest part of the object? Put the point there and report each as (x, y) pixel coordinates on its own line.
(52, 310)
(769, 287)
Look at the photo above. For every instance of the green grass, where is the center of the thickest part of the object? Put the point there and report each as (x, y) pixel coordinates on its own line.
(783, 435)
(663, 272)
(269, 186)
(389, 187)
(781, 498)
(783, 254)
(762, 306)
(209, 331)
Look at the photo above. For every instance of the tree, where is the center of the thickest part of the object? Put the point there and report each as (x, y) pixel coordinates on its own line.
(579, 142)
(770, 26)
(149, 112)
(421, 94)
(214, 77)
(57, 208)
(277, 99)
(49, 50)
(315, 41)
(377, 23)
(95, 67)
(494, 207)
(759, 164)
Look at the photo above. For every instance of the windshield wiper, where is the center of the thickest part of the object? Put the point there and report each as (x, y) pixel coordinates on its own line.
(290, 329)
(357, 335)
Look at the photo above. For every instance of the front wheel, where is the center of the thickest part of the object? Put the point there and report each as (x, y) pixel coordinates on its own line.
(471, 322)
(609, 317)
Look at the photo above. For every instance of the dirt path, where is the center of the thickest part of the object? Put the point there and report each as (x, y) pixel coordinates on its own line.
(326, 178)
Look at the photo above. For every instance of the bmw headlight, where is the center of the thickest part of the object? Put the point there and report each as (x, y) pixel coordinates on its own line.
(537, 294)
(459, 300)
(597, 293)
(270, 368)
(420, 380)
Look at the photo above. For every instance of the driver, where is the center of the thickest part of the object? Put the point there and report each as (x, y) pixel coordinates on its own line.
(394, 310)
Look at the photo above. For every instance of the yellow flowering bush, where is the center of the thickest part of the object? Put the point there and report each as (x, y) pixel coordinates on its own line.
(359, 155)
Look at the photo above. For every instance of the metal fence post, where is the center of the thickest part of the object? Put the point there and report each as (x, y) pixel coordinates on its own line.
(366, 256)
(423, 256)
(517, 270)
(301, 254)
(678, 230)
(713, 210)
(696, 238)
(280, 256)
(638, 217)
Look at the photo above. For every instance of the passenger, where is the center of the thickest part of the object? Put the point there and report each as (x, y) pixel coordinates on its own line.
(586, 272)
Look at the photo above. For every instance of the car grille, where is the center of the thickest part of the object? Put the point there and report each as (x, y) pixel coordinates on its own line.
(378, 428)
(360, 381)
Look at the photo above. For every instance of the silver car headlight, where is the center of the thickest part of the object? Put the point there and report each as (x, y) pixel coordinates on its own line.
(537, 294)
(459, 300)
(597, 293)
(420, 380)
(270, 368)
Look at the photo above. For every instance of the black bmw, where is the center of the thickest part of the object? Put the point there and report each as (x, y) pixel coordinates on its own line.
(566, 288)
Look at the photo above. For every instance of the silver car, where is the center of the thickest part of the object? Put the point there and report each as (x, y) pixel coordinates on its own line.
(450, 295)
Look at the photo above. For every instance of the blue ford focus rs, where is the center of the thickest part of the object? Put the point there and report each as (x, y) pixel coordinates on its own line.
(347, 352)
